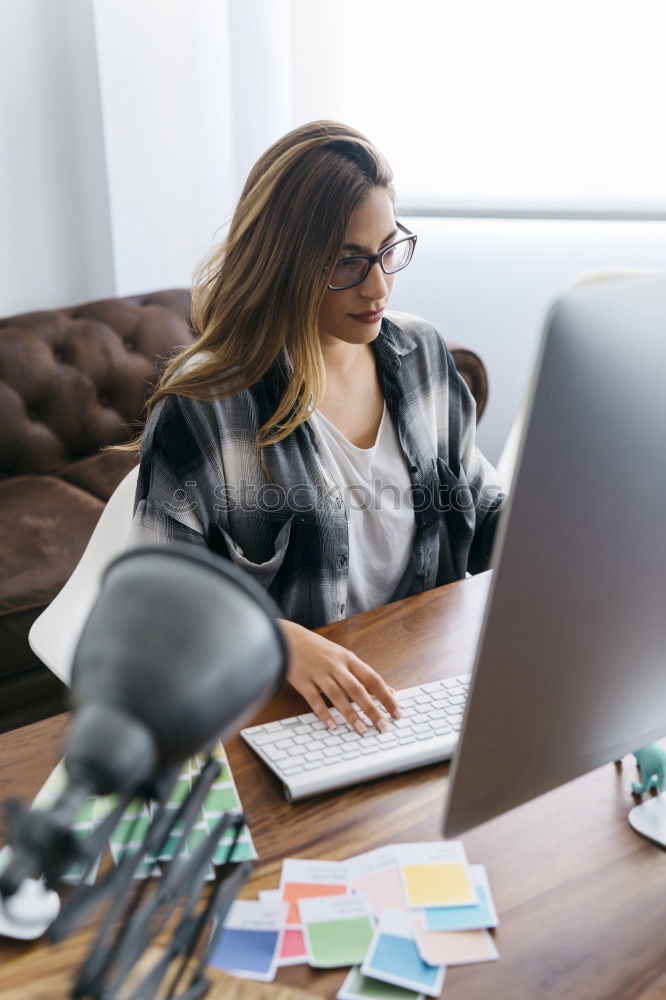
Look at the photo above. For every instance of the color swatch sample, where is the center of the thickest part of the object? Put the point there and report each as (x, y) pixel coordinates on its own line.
(377, 876)
(453, 947)
(436, 874)
(250, 940)
(359, 987)
(337, 930)
(465, 918)
(89, 816)
(302, 879)
(394, 958)
(131, 828)
(293, 950)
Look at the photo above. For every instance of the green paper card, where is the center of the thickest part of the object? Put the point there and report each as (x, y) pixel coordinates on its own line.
(337, 930)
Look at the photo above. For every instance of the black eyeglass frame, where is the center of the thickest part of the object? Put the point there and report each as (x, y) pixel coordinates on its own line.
(377, 258)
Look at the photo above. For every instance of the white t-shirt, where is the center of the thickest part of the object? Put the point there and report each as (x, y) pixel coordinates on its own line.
(376, 488)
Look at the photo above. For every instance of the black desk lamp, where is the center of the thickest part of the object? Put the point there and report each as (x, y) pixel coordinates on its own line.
(179, 648)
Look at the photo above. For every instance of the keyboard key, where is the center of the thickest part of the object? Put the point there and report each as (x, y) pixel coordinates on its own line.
(271, 727)
(262, 739)
(302, 729)
(302, 740)
(284, 744)
(289, 723)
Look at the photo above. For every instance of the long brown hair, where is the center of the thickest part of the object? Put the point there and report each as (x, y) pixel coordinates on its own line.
(259, 294)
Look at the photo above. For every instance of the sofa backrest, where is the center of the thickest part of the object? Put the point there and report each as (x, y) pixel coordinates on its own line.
(74, 380)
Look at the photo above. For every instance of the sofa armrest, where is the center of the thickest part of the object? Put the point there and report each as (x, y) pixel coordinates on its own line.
(473, 370)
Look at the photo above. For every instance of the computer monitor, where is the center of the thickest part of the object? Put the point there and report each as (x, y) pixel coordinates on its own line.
(570, 671)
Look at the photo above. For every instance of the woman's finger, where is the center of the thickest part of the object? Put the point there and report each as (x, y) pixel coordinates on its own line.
(377, 687)
(335, 693)
(359, 694)
(318, 705)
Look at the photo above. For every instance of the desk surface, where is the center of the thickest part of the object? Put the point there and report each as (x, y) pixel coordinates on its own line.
(581, 897)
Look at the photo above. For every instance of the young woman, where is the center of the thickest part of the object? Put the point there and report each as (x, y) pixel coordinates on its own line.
(324, 446)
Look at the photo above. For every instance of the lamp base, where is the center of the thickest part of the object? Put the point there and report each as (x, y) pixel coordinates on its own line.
(649, 818)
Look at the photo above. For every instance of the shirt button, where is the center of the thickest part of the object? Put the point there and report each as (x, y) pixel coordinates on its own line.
(343, 560)
(342, 609)
(413, 469)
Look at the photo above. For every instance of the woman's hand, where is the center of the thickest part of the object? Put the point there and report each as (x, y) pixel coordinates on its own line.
(319, 667)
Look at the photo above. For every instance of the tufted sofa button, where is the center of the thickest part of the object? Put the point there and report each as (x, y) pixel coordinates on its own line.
(104, 400)
(32, 415)
(58, 355)
(130, 345)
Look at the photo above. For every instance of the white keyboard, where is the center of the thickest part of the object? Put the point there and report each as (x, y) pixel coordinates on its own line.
(308, 758)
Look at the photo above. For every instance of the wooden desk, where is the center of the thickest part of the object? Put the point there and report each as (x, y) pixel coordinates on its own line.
(581, 898)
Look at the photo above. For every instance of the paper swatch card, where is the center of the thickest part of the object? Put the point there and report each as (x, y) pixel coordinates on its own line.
(90, 815)
(293, 950)
(222, 797)
(377, 876)
(359, 987)
(302, 879)
(436, 874)
(452, 947)
(337, 930)
(394, 958)
(465, 918)
(269, 895)
(250, 940)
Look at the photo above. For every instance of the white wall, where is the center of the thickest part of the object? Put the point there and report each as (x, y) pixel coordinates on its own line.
(164, 70)
(489, 283)
(54, 233)
(117, 161)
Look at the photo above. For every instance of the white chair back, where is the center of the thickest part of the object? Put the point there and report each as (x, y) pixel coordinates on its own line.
(54, 635)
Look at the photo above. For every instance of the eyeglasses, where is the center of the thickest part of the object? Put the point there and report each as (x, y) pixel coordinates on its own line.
(350, 271)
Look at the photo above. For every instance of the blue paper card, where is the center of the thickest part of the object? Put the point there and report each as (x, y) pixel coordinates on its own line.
(465, 918)
(250, 939)
(394, 958)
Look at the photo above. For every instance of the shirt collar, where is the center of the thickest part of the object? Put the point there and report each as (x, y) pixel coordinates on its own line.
(392, 342)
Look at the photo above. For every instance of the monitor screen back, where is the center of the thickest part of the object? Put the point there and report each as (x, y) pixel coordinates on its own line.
(570, 672)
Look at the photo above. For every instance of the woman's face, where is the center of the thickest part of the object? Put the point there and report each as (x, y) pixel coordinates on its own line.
(354, 315)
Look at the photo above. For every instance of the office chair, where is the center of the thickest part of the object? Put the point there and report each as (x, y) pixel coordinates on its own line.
(54, 635)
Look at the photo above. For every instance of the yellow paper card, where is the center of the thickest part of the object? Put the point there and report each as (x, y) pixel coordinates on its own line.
(438, 885)
(436, 874)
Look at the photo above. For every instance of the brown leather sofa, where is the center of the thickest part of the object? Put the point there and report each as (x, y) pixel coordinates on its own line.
(73, 381)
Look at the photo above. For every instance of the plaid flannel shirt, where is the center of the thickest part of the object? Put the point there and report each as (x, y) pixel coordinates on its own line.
(200, 480)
